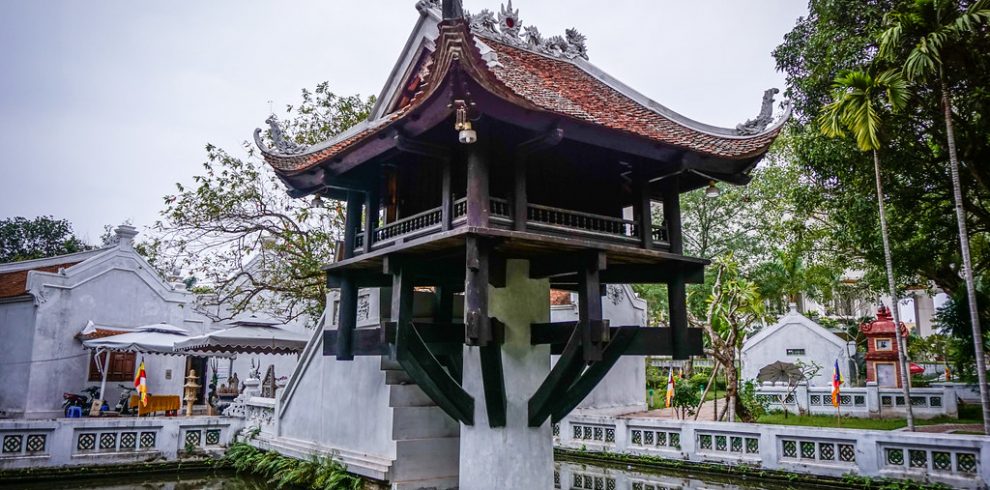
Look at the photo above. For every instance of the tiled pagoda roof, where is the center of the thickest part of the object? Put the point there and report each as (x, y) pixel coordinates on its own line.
(550, 76)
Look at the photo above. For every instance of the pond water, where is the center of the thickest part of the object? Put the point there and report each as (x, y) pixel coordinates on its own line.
(567, 475)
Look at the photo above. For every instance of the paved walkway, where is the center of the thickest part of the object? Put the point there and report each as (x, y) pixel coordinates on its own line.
(707, 413)
(948, 428)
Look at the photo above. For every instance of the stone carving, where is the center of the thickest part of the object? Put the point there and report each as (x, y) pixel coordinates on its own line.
(756, 126)
(614, 293)
(507, 28)
(282, 145)
(364, 308)
(508, 20)
(268, 384)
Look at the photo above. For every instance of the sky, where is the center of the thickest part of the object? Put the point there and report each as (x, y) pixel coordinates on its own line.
(106, 104)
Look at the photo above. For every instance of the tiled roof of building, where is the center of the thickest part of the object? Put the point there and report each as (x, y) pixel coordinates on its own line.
(884, 324)
(560, 84)
(13, 284)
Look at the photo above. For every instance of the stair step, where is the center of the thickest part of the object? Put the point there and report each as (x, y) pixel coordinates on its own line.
(422, 423)
(409, 395)
(420, 459)
(397, 377)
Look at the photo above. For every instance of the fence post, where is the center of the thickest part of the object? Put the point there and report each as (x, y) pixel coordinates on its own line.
(873, 398)
(801, 398)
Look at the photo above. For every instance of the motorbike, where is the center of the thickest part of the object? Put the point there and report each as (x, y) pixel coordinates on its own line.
(124, 403)
(82, 401)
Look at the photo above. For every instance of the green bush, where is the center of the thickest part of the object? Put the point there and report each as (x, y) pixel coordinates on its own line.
(317, 473)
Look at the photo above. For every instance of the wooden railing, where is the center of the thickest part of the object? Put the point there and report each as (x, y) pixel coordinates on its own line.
(538, 217)
(588, 223)
(415, 223)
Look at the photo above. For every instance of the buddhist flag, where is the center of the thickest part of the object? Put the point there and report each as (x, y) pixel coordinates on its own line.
(836, 383)
(670, 387)
(141, 383)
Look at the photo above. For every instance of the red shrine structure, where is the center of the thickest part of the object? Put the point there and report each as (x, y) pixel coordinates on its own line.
(492, 144)
(882, 351)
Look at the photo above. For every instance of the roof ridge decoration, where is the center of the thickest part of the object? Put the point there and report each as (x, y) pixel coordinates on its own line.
(281, 145)
(508, 28)
(758, 125)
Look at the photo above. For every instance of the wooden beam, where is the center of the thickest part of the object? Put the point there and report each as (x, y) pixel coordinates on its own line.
(590, 307)
(648, 341)
(643, 210)
(658, 273)
(478, 197)
(493, 381)
(672, 215)
(371, 209)
(446, 200)
(677, 307)
(616, 348)
(477, 327)
(366, 342)
(416, 147)
(352, 221)
(520, 199)
(348, 319)
(419, 363)
(561, 377)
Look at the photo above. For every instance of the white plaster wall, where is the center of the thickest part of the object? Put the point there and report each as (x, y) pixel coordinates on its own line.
(113, 296)
(16, 339)
(795, 336)
(340, 405)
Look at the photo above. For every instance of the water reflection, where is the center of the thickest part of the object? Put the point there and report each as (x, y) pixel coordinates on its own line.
(192, 481)
(578, 476)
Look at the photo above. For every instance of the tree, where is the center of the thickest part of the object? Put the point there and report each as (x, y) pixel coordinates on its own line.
(732, 307)
(839, 35)
(250, 245)
(920, 35)
(44, 236)
(953, 321)
(858, 101)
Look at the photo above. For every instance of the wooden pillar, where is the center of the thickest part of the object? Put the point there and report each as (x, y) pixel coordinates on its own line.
(590, 306)
(352, 221)
(643, 212)
(477, 325)
(672, 215)
(478, 198)
(402, 296)
(520, 199)
(370, 217)
(446, 209)
(677, 304)
(347, 319)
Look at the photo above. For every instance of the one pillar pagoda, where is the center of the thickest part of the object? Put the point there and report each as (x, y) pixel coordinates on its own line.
(498, 164)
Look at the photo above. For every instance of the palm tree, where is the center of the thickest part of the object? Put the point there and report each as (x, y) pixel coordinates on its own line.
(921, 34)
(857, 100)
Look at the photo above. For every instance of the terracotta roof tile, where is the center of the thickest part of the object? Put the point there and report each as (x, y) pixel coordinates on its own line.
(13, 284)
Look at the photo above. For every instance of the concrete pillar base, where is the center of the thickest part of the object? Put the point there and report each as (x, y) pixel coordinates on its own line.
(514, 456)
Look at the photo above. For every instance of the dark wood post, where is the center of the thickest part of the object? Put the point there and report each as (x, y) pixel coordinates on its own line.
(347, 321)
(478, 199)
(446, 210)
(402, 296)
(643, 211)
(676, 291)
(520, 199)
(370, 217)
(590, 305)
(352, 220)
(477, 326)
(672, 215)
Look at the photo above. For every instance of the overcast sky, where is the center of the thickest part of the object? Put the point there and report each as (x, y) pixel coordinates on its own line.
(104, 105)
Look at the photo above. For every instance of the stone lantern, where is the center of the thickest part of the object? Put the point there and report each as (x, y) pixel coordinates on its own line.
(191, 388)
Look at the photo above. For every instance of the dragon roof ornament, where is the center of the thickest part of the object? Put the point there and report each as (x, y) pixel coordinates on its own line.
(280, 145)
(758, 125)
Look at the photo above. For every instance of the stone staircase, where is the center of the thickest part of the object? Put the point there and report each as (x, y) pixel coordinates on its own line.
(427, 440)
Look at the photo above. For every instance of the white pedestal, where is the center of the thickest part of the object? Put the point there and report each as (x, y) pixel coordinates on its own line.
(514, 456)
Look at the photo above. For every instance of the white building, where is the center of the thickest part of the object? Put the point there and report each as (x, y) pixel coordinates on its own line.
(46, 303)
(795, 338)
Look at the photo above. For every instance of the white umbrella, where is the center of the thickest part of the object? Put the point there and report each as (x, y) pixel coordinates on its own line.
(150, 339)
(254, 339)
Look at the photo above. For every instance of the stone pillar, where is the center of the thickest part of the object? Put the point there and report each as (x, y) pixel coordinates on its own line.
(924, 313)
(873, 398)
(514, 456)
(802, 399)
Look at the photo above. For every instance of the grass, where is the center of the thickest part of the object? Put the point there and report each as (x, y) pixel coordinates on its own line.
(860, 423)
(317, 473)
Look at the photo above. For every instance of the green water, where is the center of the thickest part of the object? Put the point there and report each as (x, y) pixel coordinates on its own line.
(571, 475)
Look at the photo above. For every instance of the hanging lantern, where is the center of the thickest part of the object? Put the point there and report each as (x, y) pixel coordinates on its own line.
(466, 134)
(712, 191)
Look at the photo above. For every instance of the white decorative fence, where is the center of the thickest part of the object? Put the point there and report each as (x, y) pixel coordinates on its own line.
(96, 441)
(957, 460)
(870, 401)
